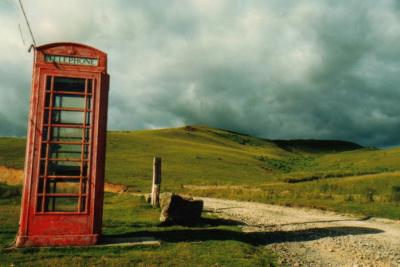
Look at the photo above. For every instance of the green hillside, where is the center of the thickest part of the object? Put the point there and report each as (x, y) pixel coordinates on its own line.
(213, 162)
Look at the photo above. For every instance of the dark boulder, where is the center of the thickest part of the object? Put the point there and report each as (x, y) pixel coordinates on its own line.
(176, 209)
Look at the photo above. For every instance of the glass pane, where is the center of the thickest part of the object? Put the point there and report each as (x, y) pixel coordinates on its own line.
(68, 101)
(40, 185)
(70, 186)
(85, 169)
(87, 134)
(48, 83)
(87, 118)
(44, 134)
(67, 117)
(64, 168)
(66, 151)
(43, 151)
(42, 168)
(83, 204)
(39, 204)
(85, 151)
(61, 204)
(69, 84)
(90, 84)
(84, 186)
(67, 134)
(46, 116)
(89, 102)
(47, 100)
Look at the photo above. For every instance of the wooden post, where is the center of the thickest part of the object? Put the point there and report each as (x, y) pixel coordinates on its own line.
(155, 190)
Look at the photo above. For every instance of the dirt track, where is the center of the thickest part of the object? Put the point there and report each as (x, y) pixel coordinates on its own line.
(307, 237)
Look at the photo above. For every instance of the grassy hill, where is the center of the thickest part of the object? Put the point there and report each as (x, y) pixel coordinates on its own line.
(212, 162)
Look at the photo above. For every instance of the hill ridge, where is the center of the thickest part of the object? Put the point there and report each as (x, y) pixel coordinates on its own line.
(291, 145)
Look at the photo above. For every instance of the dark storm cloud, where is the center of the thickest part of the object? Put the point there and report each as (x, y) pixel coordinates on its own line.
(276, 69)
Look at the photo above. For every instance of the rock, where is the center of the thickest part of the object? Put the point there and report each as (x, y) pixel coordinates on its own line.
(166, 195)
(176, 209)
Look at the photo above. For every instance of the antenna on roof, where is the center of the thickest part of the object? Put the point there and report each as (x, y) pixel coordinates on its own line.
(33, 45)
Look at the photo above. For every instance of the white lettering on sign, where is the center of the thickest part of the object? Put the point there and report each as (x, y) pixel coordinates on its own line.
(86, 61)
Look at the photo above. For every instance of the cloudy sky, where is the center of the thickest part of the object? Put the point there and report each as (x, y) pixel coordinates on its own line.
(270, 68)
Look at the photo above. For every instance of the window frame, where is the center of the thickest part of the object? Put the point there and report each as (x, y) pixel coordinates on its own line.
(42, 198)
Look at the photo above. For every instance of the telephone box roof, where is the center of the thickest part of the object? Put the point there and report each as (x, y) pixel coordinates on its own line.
(76, 45)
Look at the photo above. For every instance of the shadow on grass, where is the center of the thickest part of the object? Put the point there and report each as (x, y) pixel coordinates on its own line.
(205, 223)
(315, 222)
(202, 223)
(204, 232)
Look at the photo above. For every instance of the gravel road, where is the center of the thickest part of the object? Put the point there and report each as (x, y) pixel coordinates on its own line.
(309, 237)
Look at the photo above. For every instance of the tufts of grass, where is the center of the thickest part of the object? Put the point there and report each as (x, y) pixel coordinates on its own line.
(395, 196)
(364, 195)
(8, 191)
(12, 152)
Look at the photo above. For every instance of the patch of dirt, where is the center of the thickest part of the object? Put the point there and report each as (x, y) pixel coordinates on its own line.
(15, 177)
(308, 237)
(115, 188)
(221, 187)
(11, 176)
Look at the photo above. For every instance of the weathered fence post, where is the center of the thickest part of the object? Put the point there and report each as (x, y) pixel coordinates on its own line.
(155, 189)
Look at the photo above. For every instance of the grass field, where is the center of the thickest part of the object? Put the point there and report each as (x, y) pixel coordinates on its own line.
(203, 161)
(212, 242)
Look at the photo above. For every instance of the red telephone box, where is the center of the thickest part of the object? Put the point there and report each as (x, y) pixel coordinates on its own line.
(62, 201)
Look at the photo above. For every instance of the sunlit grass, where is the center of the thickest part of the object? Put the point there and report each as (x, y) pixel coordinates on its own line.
(130, 216)
(357, 181)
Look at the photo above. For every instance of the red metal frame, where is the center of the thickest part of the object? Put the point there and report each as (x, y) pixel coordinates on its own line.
(42, 224)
